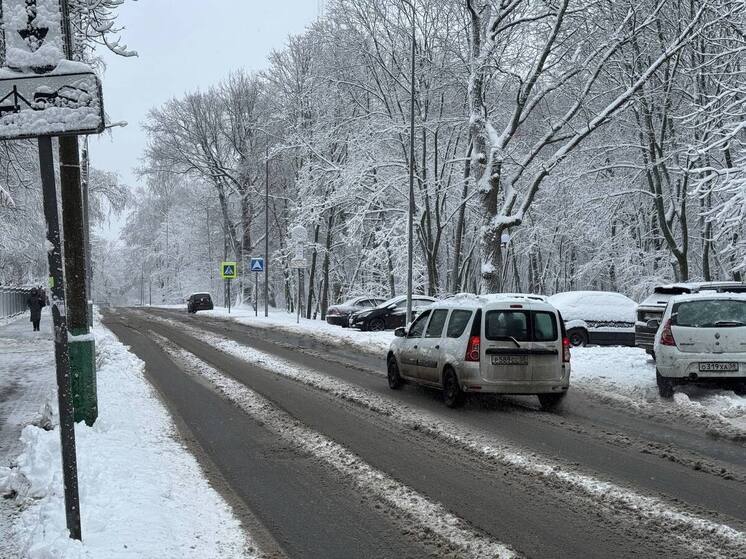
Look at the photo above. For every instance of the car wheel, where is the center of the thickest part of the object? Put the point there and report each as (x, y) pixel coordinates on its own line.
(453, 396)
(395, 380)
(550, 402)
(377, 325)
(665, 386)
(578, 337)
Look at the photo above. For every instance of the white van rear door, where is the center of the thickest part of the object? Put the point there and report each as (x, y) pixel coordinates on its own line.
(710, 326)
(546, 357)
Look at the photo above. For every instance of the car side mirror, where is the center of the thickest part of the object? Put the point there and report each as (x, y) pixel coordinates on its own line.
(653, 323)
(400, 332)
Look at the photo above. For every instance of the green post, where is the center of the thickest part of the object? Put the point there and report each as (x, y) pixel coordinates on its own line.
(81, 346)
(81, 349)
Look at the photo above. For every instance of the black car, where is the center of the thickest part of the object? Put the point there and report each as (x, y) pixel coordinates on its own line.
(339, 315)
(389, 314)
(199, 302)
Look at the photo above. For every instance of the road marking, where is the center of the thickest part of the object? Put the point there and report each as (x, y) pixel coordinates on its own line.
(375, 483)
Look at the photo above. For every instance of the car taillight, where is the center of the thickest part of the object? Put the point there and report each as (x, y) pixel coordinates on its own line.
(667, 334)
(566, 350)
(472, 350)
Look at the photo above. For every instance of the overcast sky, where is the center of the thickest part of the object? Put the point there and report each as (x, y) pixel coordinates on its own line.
(184, 45)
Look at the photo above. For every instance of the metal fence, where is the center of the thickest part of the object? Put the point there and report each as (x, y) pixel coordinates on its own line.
(13, 301)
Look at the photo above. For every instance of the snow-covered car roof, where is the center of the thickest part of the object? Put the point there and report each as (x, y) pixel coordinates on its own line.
(594, 305)
(199, 293)
(470, 300)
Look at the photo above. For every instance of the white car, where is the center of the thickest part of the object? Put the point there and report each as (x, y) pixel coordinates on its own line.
(597, 317)
(702, 340)
(499, 344)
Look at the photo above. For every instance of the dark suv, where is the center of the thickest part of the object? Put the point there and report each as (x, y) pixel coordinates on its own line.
(199, 302)
(650, 311)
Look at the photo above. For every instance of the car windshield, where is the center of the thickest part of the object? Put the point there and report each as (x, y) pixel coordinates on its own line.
(709, 313)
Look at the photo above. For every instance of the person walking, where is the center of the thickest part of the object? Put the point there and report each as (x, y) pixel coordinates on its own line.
(35, 303)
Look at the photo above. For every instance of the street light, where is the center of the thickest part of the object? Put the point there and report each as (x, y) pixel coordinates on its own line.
(410, 217)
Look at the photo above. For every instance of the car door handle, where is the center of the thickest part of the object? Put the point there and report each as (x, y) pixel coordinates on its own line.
(414, 347)
(437, 347)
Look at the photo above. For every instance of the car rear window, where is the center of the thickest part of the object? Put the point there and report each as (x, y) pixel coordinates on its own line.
(457, 323)
(545, 327)
(437, 321)
(709, 313)
(500, 325)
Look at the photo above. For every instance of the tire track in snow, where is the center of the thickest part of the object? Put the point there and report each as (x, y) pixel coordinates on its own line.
(699, 534)
(378, 485)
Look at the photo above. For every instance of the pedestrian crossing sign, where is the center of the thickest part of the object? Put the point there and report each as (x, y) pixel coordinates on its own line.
(228, 270)
(257, 264)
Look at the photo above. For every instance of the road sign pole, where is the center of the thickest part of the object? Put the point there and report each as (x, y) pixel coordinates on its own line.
(229, 296)
(57, 288)
(256, 293)
(266, 233)
(300, 295)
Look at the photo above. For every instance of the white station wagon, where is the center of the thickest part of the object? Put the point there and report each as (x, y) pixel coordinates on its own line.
(498, 344)
(702, 340)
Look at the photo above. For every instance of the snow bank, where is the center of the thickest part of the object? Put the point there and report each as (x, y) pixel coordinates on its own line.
(142, 493)
(626, 375)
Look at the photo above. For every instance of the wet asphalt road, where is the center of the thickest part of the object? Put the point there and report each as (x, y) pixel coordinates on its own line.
(303, 510)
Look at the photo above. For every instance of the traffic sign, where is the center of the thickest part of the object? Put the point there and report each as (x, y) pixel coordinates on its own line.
(257, 264)
(228, 270)
(41, 93)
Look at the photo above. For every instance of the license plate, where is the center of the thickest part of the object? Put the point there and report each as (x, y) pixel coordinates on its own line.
(716, 367)
(510, 359)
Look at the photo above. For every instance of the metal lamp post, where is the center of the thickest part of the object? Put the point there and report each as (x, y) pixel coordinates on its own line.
(410, 217)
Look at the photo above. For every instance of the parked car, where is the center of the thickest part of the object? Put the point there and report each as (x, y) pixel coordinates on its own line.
(199, 302)
(496, 344)
(340, 314)
(389, 314)
(702, 340)
(650, 311)
(597, 317)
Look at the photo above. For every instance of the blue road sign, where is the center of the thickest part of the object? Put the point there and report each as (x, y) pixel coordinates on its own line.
(257, 265)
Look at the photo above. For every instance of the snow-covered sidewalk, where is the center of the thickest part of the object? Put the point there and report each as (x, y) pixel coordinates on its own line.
(142, 493)
(623, 376)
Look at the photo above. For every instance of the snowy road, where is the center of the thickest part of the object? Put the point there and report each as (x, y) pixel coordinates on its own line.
(328, 462)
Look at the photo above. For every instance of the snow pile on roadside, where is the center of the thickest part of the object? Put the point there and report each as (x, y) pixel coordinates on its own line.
(626, 375)
(370, 342)
(142, 494)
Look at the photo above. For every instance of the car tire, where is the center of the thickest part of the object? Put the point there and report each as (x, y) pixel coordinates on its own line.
(377, 325)
(394, 378)
(665, 386)
(453, 396)
(551, 402)
(578, 337)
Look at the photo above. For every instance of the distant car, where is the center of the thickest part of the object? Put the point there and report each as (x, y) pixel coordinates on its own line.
(199, 302)
(496, 344)
(339, 315)
(650, 311)
(389, 314)
(702, 340)
(597, 317)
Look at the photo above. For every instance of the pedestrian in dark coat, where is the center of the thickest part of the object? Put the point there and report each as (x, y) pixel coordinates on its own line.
(35, 303)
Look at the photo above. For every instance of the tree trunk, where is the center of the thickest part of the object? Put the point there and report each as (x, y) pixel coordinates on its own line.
(312, 272)
(325, 266)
